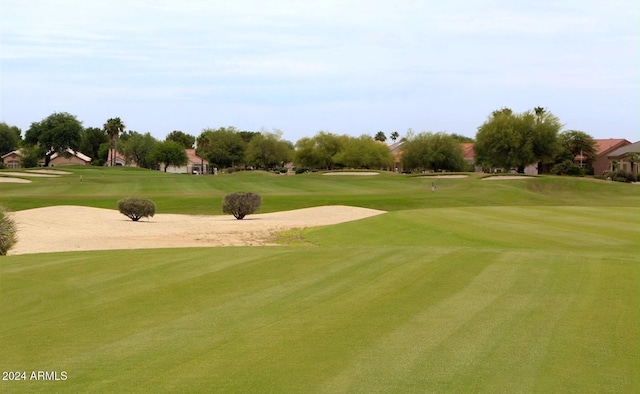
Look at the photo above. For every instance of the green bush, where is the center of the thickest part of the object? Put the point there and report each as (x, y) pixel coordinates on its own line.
(567, 167)
(136, 208)
(621, 176)
(8, 231)
(241, 204)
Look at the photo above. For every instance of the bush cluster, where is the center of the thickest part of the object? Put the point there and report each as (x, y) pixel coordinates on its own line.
(136, 208)
(8, 231)
(621, 176)
(241, 204)
(567, 167)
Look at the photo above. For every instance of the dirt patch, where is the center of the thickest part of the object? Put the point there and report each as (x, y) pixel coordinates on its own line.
(505, 177)
(52, 172)
(73, 228)
(362, 173)
(445, 176)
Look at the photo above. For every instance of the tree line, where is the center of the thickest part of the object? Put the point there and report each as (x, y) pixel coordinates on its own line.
(506, 140)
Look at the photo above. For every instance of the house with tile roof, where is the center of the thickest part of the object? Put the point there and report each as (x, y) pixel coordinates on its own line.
(622, 156)
(12, 160)
(69, 158)
(604, 147)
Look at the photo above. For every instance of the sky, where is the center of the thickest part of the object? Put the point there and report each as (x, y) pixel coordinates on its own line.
(343, 66)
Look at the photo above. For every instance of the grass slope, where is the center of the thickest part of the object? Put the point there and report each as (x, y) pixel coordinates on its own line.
(533, 289)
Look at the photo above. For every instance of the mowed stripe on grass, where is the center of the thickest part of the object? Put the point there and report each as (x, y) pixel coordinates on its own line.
(451, 299)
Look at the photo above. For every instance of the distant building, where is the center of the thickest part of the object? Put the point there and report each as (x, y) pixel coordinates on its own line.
(621, 156)
(604, 147)
(12, 160)
(195, 165)
(68, 158)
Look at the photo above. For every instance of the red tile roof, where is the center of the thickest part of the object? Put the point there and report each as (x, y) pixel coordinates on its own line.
(605, 146)
(467, 150)
(193, 158)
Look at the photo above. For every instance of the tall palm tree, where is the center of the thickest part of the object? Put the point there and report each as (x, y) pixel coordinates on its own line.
(113, 128)
(394, 136)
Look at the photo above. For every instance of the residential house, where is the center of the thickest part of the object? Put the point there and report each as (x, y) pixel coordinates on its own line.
(604, 147)
(621, 155)
(68, 158)
(12, 160)
(195, 164)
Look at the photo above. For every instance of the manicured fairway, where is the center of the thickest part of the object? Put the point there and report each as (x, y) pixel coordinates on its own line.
(453, 297)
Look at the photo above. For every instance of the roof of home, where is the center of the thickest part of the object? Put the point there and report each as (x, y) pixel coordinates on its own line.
(13, 152)
(630, 148)
(604, 146)
(70, 151)
(193, 158)
(467, 150)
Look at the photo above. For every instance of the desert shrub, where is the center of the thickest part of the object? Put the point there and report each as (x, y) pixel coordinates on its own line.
(136, 208)
(302, 170)
(241, 204)
(8, 230)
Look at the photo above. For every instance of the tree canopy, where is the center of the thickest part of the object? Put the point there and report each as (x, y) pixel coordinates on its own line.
(511, 140)
(56, 133)
(169, 153)
(268, 150)
(186, 140)
(10, 137)
(222, 147)
(576, 143)
(433, 151)
(137, 148)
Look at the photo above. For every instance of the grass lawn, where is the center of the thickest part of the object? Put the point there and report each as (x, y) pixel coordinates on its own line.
(504, 286)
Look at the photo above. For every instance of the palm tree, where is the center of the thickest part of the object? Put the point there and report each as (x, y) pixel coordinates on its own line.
(380, 136)
(394, 136)
(113, 128)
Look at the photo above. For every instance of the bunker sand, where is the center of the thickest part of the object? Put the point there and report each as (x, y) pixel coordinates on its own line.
(74, 228)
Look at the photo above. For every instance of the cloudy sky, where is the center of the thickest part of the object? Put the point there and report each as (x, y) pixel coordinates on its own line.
(349, 67)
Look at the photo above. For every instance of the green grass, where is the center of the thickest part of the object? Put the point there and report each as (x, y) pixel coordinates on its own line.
(501, 286)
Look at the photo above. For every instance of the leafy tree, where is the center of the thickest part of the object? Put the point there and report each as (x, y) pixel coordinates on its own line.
(380, 136)
(8, 232)
(10, 138)
(433, 151)
(56, 133)
(394, 136)
(461, 138)
(113, 127)
(511, 140)
(267, 150)
(137, 148)
(318, 151)
(186, 140)
(247, 136)
(169, 153)
(223, 147)
(136, 208)
(241, 204)
(363, 152)
(92, 138)
(574, 143)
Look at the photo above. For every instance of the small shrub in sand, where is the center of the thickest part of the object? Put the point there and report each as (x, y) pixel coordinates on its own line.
(241, 204)
(136, 208)
(8, 231)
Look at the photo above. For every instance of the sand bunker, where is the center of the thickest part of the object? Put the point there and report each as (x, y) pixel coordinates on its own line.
(73, 228)
(6, 179)
(505, 177)
(356, 173)
(31, 174)
(54, 172)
